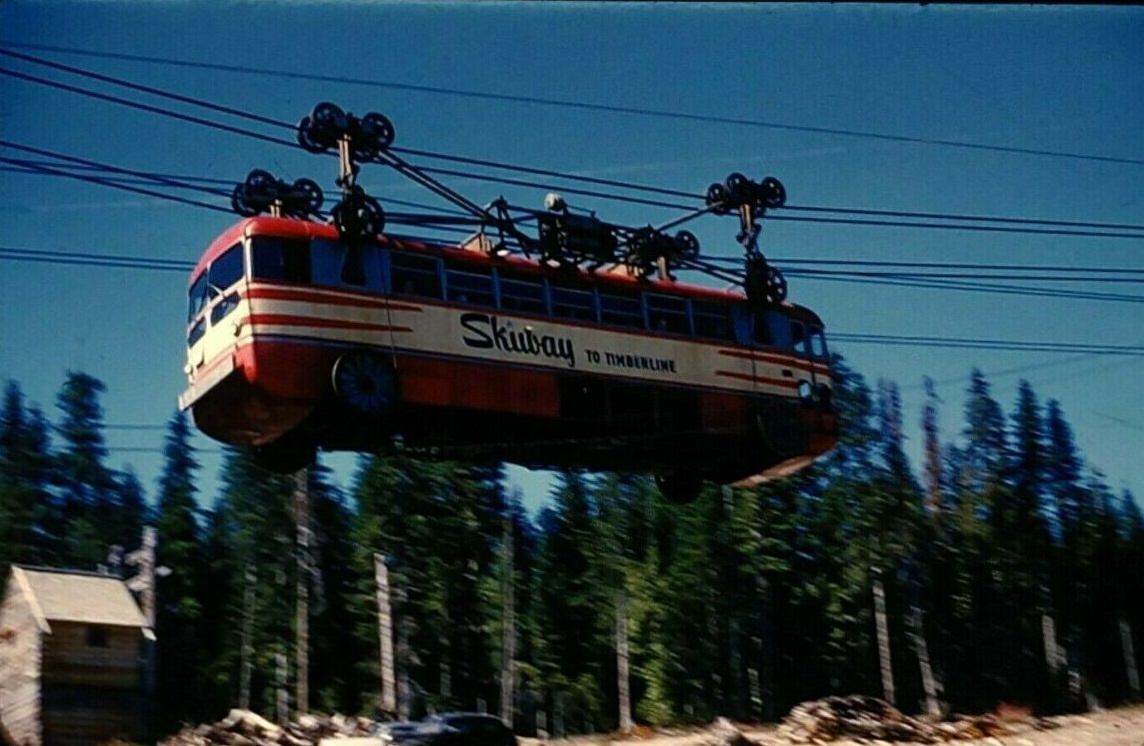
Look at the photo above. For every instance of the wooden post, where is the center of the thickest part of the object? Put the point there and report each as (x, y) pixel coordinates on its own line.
(883, 637)
(385, 635)
(247, 651)
(143, 583)
(1129, 658)
(403, 657)
(508, 631)
(302, 601)
(622, 674)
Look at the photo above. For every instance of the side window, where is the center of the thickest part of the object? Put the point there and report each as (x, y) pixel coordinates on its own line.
(778, 326)
(197, 297)
(524, 294)
(763, 331)
(413, 274)
(226, 270)
(223, 308)
(667, 314)
(712, 320)
(798, 336)
(95, 636)
(621, 310)
(280, 259)
(336, 264)
(568, 303)
(473, 285)
(197, 332)
(817, 342)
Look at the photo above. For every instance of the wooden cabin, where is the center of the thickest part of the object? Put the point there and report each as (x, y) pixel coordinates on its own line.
(73, 652)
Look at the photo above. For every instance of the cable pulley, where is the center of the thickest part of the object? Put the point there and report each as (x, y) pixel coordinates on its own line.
(764, 284)
(649, 250)
(737, 191)
(358, 216)
(327, 125)
(261, 193)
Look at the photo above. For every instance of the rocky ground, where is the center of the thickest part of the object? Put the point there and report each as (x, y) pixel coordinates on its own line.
(1118, 727)
(839, 721)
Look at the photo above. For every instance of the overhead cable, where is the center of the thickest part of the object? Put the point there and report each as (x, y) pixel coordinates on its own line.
(598, 107)
(1105, 229)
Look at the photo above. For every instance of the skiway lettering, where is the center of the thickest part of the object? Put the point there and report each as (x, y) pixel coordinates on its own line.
(486, 332)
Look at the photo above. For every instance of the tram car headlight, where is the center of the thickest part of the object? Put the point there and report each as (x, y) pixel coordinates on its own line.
(805, 391)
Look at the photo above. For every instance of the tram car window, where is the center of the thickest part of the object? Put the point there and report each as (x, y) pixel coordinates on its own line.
(775, 328)
(197, 297)
(336, 264)
(411, 274)
(712, 320)
(226, 270)
(569, 303)
(621, 310)
(523, 295)
(817, 342)
(798, 337)
(280, 259)
(467, 285)
(666, 313)
(197, 332)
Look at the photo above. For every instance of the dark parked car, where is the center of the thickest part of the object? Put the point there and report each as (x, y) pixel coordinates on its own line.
(449, 729)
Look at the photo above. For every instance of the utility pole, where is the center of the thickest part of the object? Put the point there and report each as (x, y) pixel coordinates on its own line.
(302, 604)
(508, 631)
(385, 635)
(144, 584)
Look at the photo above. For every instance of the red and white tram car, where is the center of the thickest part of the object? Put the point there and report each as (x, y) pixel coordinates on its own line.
(298, 340)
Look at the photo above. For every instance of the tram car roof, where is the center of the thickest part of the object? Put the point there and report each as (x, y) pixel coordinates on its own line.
(611, 275)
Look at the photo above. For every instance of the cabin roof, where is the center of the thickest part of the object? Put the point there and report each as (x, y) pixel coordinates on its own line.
(75, 596)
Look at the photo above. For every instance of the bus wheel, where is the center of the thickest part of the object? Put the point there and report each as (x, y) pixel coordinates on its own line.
(284, 456)
(365, 382)
(679, 487)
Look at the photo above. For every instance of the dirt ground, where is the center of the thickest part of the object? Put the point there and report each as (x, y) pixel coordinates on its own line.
(1119, 727)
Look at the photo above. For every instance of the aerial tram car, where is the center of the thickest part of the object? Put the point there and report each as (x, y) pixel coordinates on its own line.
(574, 347)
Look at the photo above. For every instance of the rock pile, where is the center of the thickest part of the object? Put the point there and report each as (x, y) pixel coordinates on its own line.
(870, 719)
(854, 716)
(245, 728)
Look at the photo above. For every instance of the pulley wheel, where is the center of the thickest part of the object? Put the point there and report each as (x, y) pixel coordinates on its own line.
(774, 193)
(688, 245)
(309, 194)
(717, 196)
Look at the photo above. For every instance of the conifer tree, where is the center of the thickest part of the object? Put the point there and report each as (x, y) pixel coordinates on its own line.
(87, 488)
(179, 594)
(24, 498)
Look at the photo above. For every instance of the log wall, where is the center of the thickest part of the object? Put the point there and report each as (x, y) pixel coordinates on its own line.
(19, 669)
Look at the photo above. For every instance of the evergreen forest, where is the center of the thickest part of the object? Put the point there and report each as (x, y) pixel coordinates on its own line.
(1002, 569)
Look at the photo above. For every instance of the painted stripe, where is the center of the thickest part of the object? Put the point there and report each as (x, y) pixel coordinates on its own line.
(763, 357)
(780, 382)
(334, 299)
(282, 319)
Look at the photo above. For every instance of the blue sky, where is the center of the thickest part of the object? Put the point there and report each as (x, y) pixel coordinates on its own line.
(1047, 78)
